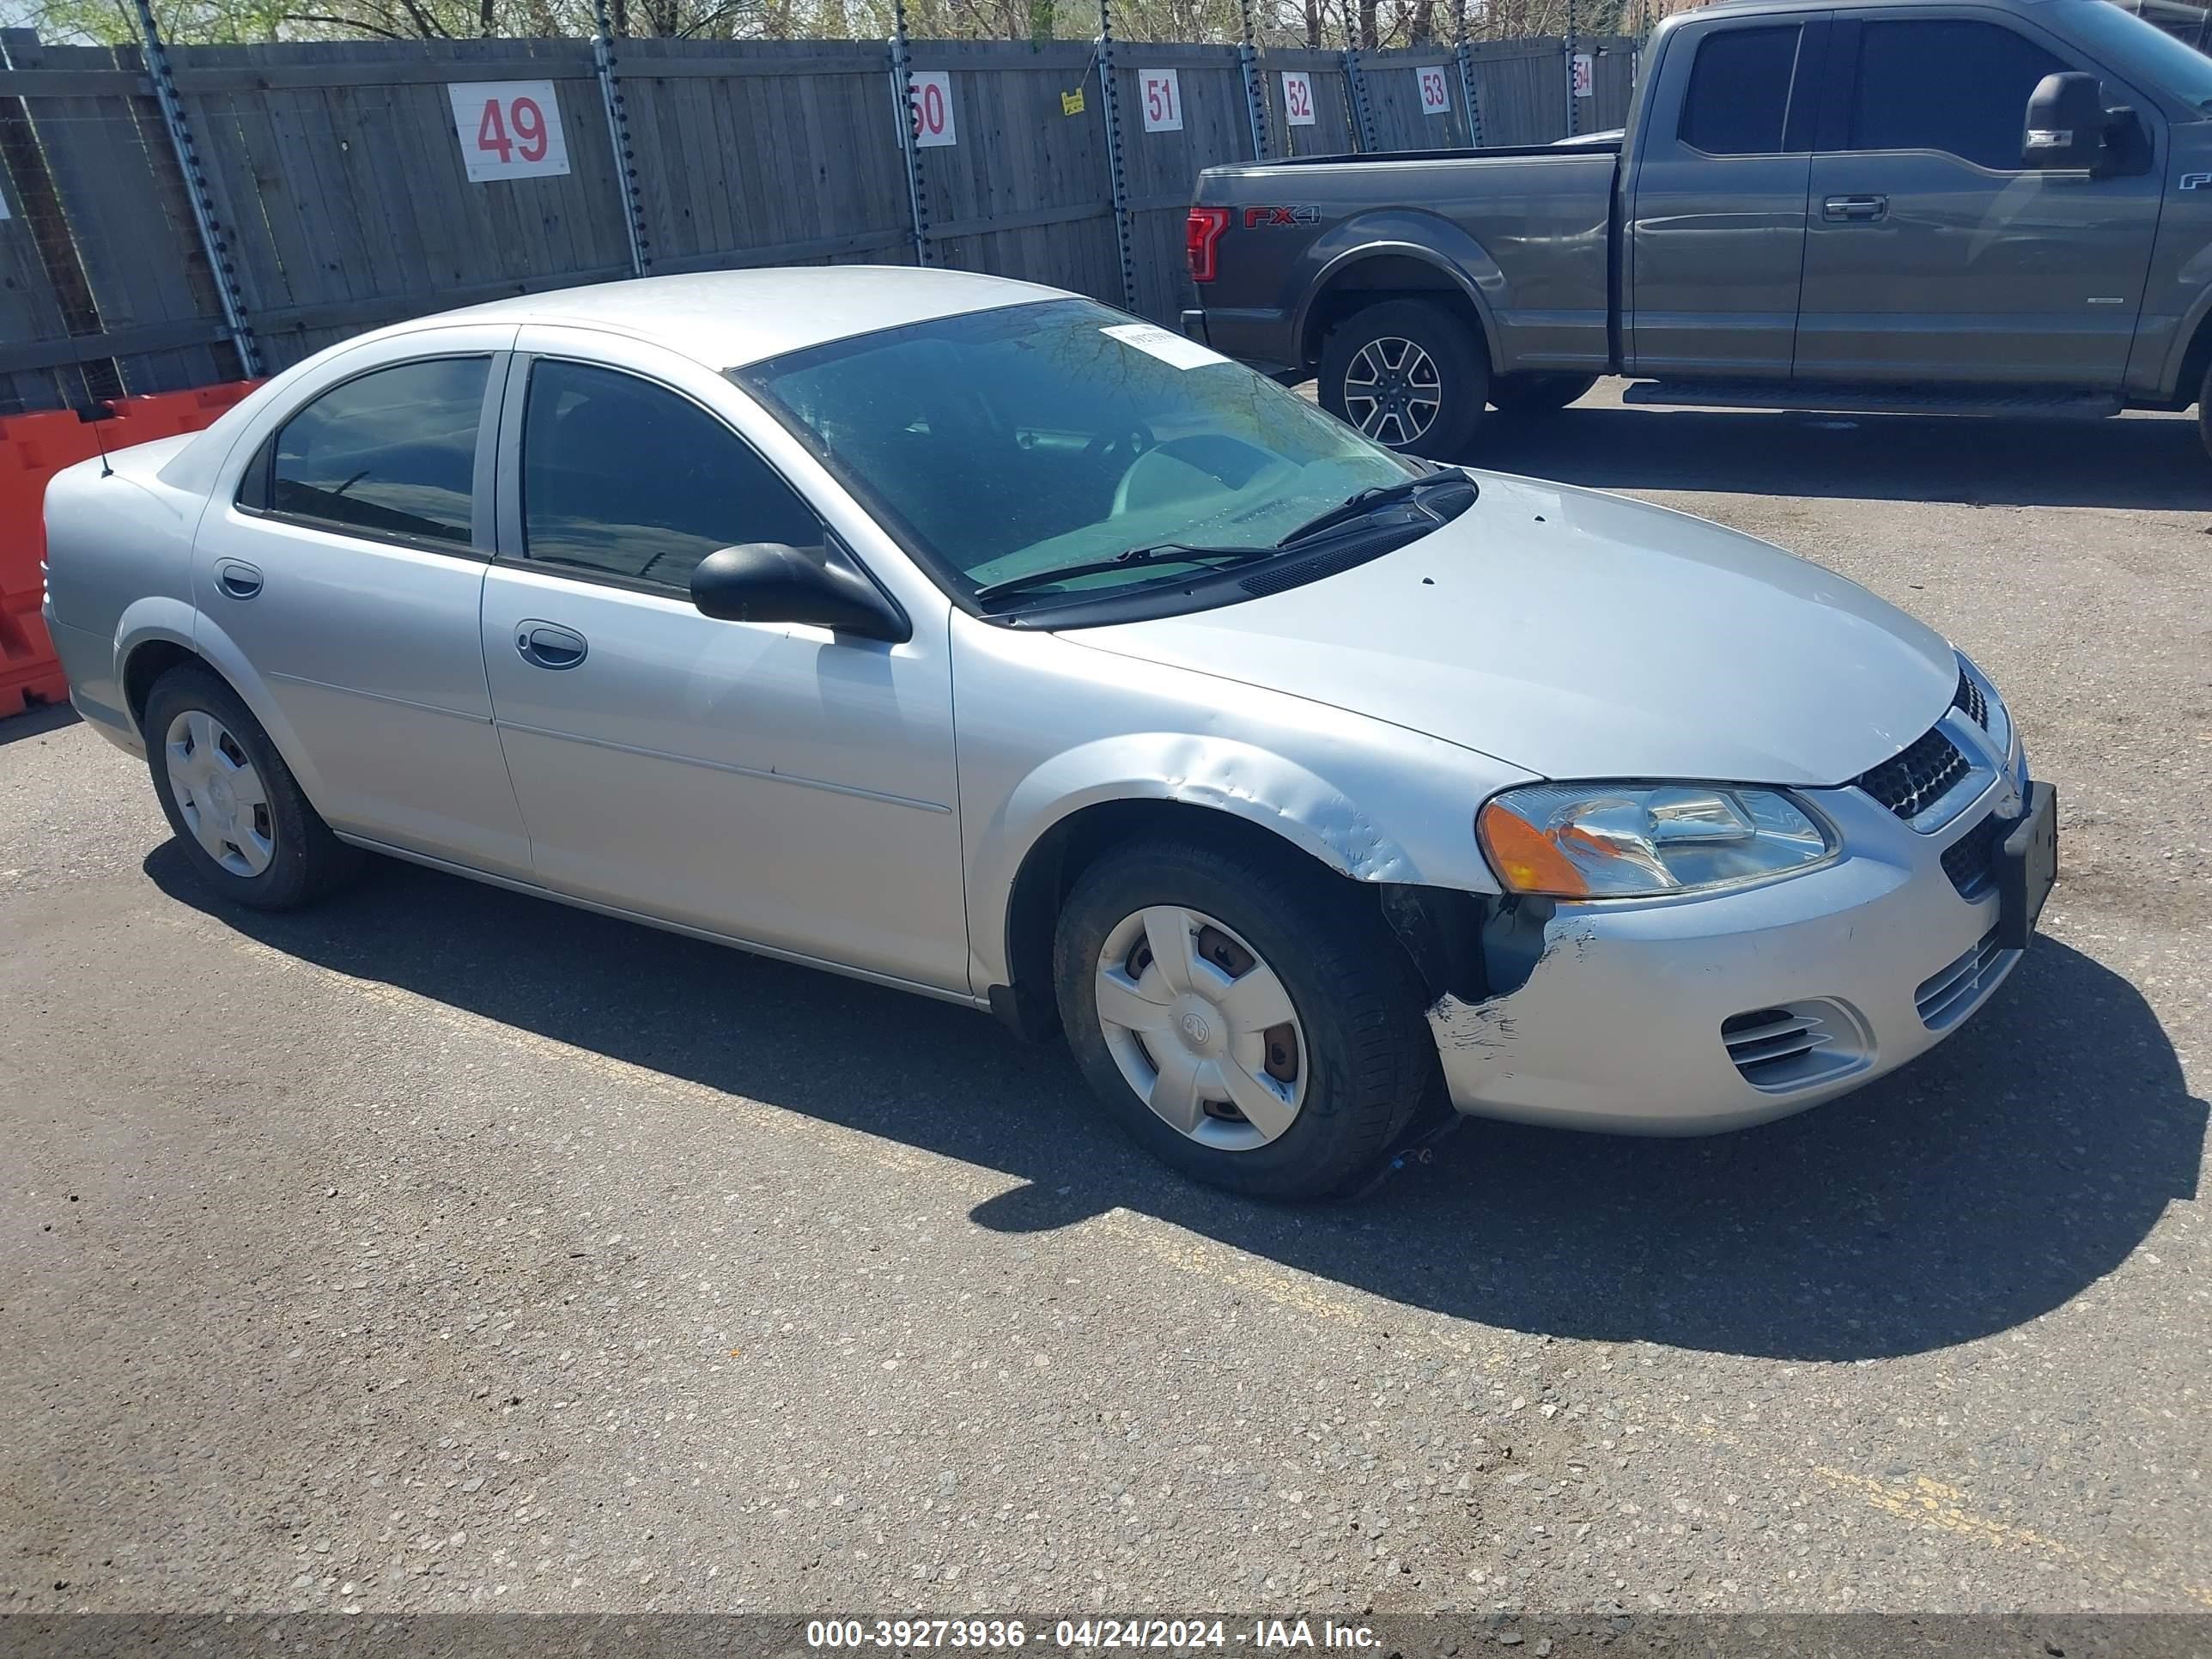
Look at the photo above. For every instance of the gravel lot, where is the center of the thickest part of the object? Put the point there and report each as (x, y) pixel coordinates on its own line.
(443, 1250)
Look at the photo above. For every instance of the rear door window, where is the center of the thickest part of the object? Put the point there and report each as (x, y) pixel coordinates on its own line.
(390, 454)
(1738, 101)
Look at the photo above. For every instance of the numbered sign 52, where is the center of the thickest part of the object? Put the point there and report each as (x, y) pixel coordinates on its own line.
(1161, 97)
(1297, 98)
(510, 129)
(1583, 77)
(934, 126)
(1436, 91)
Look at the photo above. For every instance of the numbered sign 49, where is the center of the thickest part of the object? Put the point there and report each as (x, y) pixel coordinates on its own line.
(934, 126)
(1160, 95)
(1297, 98)
(1436, 91)
(510, 129)
(1583, 77)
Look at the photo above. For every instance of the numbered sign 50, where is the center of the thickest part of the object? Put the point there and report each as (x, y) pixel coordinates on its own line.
(1297, 98)
(933, 123)
(1436, 91)
(510, 129)
(1160, 95)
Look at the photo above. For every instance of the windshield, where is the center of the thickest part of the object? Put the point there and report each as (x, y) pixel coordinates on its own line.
(2142, 50)
(1003, 444)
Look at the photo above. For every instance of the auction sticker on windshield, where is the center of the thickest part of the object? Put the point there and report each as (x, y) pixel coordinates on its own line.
(1156, 342)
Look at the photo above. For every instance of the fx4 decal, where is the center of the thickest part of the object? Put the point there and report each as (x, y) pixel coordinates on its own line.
(1304, 214)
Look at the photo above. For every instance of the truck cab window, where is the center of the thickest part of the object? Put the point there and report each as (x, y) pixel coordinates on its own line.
(1946, 83)
(1738, 102)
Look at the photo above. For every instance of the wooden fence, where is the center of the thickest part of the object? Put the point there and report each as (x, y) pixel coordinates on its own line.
(336, 177)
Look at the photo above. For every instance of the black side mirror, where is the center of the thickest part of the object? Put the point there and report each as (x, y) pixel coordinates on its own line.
(775, 582)
(2065, 124)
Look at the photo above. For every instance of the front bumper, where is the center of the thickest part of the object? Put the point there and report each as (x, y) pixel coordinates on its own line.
(1873, 959)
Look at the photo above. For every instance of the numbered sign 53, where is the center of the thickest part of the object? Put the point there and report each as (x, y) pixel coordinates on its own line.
(1297, 98)
(510, 129)
(1583, 77)
(1160, 95)
(934, 126)
(1436, 91)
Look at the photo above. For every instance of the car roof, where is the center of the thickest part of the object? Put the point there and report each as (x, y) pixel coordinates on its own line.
(1737, 8)
(724, 318)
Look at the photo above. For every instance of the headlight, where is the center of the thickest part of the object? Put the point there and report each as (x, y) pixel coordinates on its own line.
(1635, 840)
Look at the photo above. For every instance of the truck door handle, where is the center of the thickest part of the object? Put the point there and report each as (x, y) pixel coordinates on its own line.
(548, 645)
(236, 578)
(1855, 207)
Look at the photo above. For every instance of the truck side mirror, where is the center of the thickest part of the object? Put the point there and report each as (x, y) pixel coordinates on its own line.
(2065, 128)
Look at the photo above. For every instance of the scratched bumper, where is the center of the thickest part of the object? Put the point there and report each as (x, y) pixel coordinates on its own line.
(1620, 1026)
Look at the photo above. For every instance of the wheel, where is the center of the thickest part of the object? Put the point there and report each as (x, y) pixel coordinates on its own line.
(233, 802)
(1409, 375)
(1246, 1019)
(1537, 394)
(2204, 410)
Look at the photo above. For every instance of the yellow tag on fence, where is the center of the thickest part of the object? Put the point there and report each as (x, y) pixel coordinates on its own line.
(1071, 103)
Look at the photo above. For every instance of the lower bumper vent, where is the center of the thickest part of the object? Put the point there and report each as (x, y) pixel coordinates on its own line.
(1945, 997)
(1794, 1045)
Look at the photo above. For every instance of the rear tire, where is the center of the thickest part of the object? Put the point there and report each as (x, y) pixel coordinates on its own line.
(237, 811)
(1525, 395)
(1410, 375)
(1347, 1068)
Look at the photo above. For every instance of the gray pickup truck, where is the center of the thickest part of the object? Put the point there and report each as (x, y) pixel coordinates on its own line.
(2000, 207)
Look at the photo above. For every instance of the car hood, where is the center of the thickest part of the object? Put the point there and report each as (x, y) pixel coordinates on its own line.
(1576, 635)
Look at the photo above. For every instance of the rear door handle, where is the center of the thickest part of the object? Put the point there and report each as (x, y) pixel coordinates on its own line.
(1855, 207)
(239, 579)
(549, 645)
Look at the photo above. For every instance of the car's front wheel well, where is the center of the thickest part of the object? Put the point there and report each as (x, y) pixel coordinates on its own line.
(1372, 281)
(1435, 928)
(145, 666)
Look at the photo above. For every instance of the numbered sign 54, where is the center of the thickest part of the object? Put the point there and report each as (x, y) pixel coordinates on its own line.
(1436, 91)
(934, 126)
(1160, 96)
(1583, 77)
(1297, 98)
(510, 129)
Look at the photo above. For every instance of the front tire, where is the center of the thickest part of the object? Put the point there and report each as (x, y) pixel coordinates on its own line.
(1410, 375)
(1246, 1019)
(249, 832)
(2204, 410)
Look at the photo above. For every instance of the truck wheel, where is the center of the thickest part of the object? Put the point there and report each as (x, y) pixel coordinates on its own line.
(2204, 410)
(1247, 1020)
(244, 824)
(1409, 375)
(1537, 394)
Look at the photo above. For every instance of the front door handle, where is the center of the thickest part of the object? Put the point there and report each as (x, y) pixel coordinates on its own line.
(1850, 208)
(549, 645)
(236, 578)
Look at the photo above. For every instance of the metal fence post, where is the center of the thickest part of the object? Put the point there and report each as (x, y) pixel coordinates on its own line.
(1109, 110)
(603, 64)
(1463, 54)
(212, 241)
(1363, 116)
(909, 150)
(1574, 111)
(1255, 89)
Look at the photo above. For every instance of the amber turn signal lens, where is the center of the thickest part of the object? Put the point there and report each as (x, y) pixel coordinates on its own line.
(1526, 858)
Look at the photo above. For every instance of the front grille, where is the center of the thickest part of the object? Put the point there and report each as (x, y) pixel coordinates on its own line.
(1968, 698)
(1794, 1045)
(1971, 861)
(1908, 784)
(1945, 996)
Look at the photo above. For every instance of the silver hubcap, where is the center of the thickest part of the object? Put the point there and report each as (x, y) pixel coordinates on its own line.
(1391, 390)
(1201, 1028)
(219, 794)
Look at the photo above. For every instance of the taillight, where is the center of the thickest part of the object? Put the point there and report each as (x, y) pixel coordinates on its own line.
(1201, 232)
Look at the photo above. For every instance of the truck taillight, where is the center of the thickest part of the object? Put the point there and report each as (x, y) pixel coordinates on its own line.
(1200, 233)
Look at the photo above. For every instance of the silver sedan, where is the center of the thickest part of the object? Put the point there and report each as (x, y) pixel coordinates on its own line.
(974, 638)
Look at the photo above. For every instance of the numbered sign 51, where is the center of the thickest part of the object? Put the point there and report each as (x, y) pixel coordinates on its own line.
(1436, 91)
(934, 126)
(1582, 77)
(510, 129)
(1297, 98)
(1160, 95)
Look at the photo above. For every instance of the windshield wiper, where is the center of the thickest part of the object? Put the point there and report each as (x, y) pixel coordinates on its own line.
(1159, 553)
(1368, 500)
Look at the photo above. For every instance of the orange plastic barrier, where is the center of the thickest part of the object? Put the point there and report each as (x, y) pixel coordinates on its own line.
(33, 449)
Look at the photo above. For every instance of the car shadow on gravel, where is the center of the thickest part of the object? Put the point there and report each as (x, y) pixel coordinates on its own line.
(2153, 462)
(1991, 1182)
